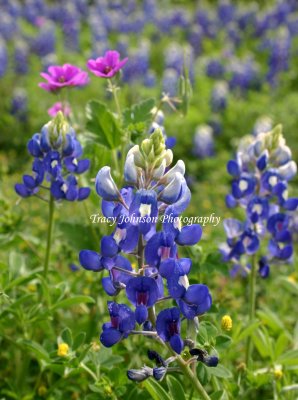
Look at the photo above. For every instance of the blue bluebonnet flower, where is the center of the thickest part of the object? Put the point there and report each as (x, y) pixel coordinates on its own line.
(3, 57)
(203, 141)
(56, 152)
(260, 172)
(21, 53)
(204, 357)
(152, 190)
(122, 323)
(19, 104)
(158, 123)
(44, 42)
(215, 69)
(219, 95)
(8, 25)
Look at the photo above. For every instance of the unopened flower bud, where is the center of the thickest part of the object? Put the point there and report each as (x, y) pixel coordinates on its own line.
(139, 375)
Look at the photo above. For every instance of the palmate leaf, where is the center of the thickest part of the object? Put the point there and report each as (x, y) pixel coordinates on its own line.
(140, 112)
(103, 124)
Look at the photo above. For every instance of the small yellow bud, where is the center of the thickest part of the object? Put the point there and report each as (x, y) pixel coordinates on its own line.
(108, 391)
(278, 374)
(226, 323)
(42, 391)
(95, 346)
(241, 367)
(31, 287)
(86, 291)
(63, 349)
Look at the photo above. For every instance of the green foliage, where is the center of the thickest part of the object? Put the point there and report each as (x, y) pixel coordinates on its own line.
(102, 123)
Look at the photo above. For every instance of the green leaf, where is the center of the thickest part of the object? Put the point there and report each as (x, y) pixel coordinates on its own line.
(246, 332)
(221, 372)
(223, 341)
(203, 373)
(103, 124)
(71, 301)
(218, 395)
(36, 348)
(156, 391)
(270, 319)
(288, 358)
(260, 341)
(281, 344)
(79, 340)
(176, 388)
(140, 112)
(66, 336)
(23, 279)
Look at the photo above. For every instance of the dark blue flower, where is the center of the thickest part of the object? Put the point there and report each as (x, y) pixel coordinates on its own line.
(91, 260)
(168, 328)
(264, 267)
(244, 186)
(122, 323)
(196, 301)
(144, 209)
(117, 279)
(142, 292)
(175, 271)
(258, 209)
(204, 357)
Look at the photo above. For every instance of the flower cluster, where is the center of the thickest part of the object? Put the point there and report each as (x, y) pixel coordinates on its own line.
(261, 171)
(56, 152)
(151, 190)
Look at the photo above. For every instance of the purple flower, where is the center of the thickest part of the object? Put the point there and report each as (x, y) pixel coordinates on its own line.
(65, 108)
(66, 75)
(107, 66)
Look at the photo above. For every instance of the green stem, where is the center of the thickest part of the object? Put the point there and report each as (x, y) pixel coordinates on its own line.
(49, 236)
(252, 306)
(113, 90)
(191, 376)
(90, 372)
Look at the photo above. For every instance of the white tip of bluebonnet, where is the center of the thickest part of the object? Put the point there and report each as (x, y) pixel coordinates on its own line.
(281, 156)
(105, 185)
(130, 170)
(178, 167)
(168, 157)
(232, 227)
(171, 192)
(288, 171)
(158, 172)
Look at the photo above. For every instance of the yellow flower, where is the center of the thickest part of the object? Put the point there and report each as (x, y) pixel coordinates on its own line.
(63, 349)
(292, 278)
(42, 391)
(31, 287)
(278, 374)
(226, 323)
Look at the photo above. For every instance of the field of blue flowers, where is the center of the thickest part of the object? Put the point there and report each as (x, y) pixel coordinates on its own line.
(149, 199)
